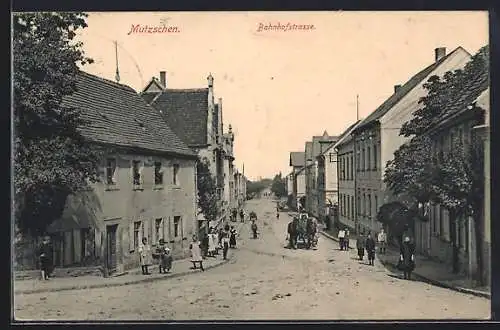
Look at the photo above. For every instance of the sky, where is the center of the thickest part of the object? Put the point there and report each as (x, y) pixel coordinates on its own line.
(279, 88)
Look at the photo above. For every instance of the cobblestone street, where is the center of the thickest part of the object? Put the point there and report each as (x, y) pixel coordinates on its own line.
(264, 281)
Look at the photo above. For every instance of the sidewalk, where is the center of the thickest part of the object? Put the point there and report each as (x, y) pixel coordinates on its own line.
(133, 276)
(426, 270)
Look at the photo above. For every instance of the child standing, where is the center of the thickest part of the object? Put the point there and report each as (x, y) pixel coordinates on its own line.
(196, 257)
(165, 257)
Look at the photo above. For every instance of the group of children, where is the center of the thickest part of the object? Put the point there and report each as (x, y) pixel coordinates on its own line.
(363, 243)
(162, 253)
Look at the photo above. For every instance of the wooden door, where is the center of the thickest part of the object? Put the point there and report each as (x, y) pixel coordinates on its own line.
(111, 248)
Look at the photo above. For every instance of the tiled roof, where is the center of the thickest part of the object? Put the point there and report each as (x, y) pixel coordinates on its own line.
(297, 158)
(317, 142)
(347, 133)
(117, 115)
(403, 90)
(472, 88)
(148, 97)
(186, 112)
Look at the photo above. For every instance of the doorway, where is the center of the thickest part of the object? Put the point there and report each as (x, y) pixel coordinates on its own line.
(111, 248)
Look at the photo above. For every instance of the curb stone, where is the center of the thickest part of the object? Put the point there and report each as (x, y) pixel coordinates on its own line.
(441, 284)
(130, 282)
(428, 280)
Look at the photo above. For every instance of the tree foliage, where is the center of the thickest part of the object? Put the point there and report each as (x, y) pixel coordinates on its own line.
(456, 181)
(255, 187)
(278, 186)
(207, 190)
(51, 158)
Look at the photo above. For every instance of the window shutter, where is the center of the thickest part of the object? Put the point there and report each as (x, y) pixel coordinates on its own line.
(131, 246)
(115, 175)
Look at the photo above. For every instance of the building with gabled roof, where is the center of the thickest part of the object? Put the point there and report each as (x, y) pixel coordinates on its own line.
(196, 118)
(464, 115)
(377, 137)
(147, 187)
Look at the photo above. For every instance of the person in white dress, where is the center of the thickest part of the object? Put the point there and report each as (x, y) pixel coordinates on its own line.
(145, 256)
(196, 257)
(211, 243)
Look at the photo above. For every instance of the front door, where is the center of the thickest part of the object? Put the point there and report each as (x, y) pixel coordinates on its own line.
(111, 248)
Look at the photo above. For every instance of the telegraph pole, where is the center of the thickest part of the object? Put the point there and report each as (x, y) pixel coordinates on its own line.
(117, 76)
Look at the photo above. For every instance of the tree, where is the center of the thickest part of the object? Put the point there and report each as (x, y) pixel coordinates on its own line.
(411, 173)
(255, 187)
(460, 190)
(278, 186)
(207, 190)
(51, 158)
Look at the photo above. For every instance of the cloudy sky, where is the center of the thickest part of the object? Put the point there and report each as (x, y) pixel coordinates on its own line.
(279, 88)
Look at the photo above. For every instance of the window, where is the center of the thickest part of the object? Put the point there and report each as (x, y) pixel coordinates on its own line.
(376, 204)
(158, 227)
(110, 171)
(357, 161)
(352, 168)
(177, 221)
(363, 159)
(136, 174)
(332, 157)
(375, 157)
(347, 168)
(137, 227)
(368, 161)
(158, 174)
(175, 179)
(369, 205)
(348, 206)
(352, 207)
(214, 156)
(364, 204)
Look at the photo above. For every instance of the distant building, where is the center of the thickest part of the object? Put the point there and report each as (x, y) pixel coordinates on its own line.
(325, 191)
(297, 162)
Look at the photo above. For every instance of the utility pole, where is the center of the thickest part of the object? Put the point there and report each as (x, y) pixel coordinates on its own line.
(117, 76)
(357, 107)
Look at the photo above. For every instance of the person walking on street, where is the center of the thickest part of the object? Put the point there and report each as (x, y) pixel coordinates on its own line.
(195, 249)
(254, 229)
(242, 215)
(382, 240)
(45, 257)
(225, 241)
(360, 245)
(341, 237)
(232, 237)
(407, 257)
(165, 257)
(370, 249)
(235, 214)
(145, 256)
(211, 243)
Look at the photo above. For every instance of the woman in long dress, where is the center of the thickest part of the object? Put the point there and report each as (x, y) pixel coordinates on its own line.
(407, 257)
(232, 238)
(145, 256)
(211, 243)
(196, 257)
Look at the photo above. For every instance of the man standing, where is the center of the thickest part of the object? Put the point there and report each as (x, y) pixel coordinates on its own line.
(370, 248)
(382, 239)
(45, 255)
(341, 237)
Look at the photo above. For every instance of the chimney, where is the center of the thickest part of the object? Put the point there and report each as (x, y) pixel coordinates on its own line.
(439, 53)
(163, 78)
(396, 88)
